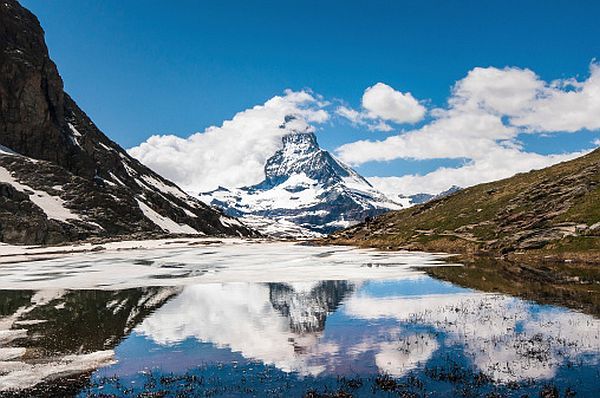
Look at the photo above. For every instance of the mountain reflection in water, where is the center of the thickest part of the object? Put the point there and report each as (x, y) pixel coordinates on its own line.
(284, 339)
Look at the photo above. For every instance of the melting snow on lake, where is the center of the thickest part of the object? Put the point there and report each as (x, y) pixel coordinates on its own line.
(194, 261)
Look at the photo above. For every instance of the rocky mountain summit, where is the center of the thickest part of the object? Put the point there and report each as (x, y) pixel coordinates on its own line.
(548, 213)
(305, 191)
(61, 178)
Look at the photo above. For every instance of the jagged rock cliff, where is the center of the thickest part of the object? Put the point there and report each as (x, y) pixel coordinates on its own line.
(61, 178)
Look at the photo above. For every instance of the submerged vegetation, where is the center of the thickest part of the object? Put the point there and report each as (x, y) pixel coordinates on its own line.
(448, 379)
(574, 285)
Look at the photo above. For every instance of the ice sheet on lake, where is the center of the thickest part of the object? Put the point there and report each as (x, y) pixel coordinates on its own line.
(228, 261)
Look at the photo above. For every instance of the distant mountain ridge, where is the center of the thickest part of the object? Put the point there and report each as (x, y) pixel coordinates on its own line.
(420, 198)
(61, 178)
(304, 186)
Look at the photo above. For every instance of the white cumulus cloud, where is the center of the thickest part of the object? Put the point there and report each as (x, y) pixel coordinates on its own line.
(565, 105)
(382, 101)
(233, 154)
(486, 112)
(507, 91)
(499, 164)
(380, 104)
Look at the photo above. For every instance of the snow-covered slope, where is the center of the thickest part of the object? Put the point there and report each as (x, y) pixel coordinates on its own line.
(304, 186)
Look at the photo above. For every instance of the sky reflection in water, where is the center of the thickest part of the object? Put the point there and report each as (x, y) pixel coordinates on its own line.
(319, 331)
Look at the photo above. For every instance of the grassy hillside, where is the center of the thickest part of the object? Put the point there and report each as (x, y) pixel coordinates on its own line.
(553, 212)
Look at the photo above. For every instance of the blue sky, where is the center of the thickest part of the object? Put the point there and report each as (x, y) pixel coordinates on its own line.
(162, 67)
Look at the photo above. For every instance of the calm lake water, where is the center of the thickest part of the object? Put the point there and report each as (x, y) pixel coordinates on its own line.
(291, 327)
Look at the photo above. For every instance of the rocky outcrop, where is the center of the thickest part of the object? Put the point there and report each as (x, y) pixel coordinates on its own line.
(32, 100)
(62, 178)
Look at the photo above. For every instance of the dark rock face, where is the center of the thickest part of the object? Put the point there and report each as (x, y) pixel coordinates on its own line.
(60, 151)
(22, 221)
(32, 107)
(301, 154)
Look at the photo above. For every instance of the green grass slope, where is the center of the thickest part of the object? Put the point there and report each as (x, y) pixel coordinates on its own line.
(553, 212)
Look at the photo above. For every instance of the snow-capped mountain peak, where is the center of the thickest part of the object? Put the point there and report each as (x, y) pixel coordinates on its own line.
(304, 186)
(301, 154)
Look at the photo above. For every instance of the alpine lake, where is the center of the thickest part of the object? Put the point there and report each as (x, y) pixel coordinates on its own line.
(275, 319)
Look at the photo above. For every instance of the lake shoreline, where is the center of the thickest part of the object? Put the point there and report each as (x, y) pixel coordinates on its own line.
(467, 251)
(546, 279)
